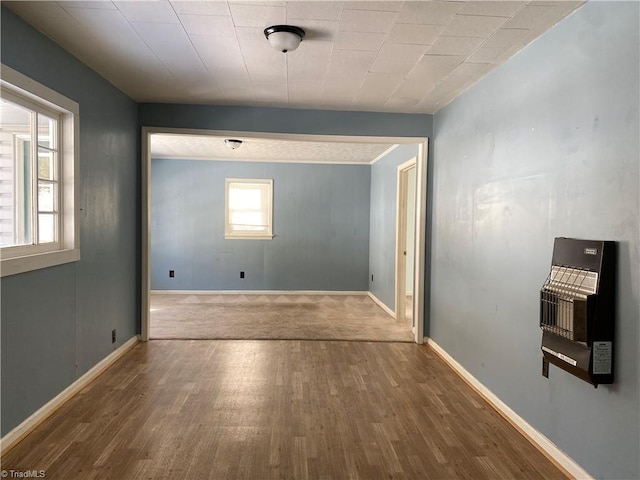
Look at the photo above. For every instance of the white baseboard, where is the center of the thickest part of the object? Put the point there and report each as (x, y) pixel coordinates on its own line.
(542, 443)
(381, 305)
(258, 292)
(12, 438)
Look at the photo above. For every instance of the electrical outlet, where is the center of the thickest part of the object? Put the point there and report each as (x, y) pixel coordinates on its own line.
(241, 274)
(113, 336)
(172, 273)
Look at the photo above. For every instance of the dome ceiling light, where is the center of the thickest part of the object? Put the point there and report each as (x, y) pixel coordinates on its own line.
(284, 38)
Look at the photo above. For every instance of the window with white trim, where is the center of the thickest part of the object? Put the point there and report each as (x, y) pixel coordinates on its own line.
(248, 208)
(38, 175)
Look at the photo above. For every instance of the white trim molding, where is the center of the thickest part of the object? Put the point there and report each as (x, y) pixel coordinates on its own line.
(12, 438)
(258, 292)
(381, 304)
(537, 439)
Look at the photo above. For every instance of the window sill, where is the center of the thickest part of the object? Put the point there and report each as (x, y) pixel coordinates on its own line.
(28, 263)
(231, 236)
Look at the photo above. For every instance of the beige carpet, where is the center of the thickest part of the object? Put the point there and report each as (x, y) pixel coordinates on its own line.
(259, 317)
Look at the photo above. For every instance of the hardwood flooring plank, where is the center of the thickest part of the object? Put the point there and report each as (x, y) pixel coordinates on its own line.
(278, 410)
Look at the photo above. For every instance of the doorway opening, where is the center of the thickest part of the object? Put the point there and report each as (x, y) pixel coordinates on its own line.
(417, 311)
(406, 242)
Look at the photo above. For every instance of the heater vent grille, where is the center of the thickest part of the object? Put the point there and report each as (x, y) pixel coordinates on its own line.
(563, 302)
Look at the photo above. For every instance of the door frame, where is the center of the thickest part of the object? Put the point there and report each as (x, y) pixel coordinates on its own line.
(401, 230)
(145, 214)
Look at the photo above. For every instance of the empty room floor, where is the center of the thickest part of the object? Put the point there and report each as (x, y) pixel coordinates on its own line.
(229, 409)
(273, 316)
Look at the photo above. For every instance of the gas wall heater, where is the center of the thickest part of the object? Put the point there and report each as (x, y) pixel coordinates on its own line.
(577, 309)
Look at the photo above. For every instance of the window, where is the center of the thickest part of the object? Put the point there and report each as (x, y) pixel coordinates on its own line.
(38, 166)
(248, 208)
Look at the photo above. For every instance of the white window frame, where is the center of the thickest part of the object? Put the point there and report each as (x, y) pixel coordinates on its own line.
(229, 232)
(25, 258)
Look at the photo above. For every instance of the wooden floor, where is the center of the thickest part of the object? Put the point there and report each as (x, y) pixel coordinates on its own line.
(274, 317)
(173, 409)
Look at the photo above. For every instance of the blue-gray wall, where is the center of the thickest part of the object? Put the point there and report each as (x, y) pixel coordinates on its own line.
(321, 228)
(57, 322)
(545, 146)
(382, 232)
(285, 120)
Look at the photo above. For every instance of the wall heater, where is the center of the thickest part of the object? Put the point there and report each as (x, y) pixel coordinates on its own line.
(577, 309)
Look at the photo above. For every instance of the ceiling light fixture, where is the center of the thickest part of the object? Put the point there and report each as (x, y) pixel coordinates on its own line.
(232, 143)
(284, 38)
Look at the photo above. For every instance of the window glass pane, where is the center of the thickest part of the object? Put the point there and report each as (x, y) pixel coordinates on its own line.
(247, 221)
(15, 183)
(46, 197)
(46, 164)
(46, 227)
(47, 131)
(244, 198)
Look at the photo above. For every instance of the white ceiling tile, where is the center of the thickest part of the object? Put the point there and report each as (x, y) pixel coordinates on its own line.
(367, 21)
(492, 9)
(172, 46)
(261, 16)
(37, 9)
(317, 50)
(528, 17)
(455, 45)
(401, 103)
(231, 78)
(414, 33)
(346, 62)
(309, 87)
(316, 10)
(429, 13)
(473, 26)
(322, 30)
(200, 7)
(433, 68)
(88, 4)
(185, 59)
(506, 38)
(378, 87)
(359, 41)
(398, 58)
(218, 52)
(304, 68)
(155, 12)
(411, 89)
(208, 25)
(375, 5)
(486, 55)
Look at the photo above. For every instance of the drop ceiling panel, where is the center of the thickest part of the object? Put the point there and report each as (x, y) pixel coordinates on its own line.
(200, 7)
(473, 26)
(492, 9)
(212, 25)
(315, 10)
(429, 13)
(356, 55)
(367, 21)
(139, 12)
(260, 16)
(396, 57)
(359, 41)
(455, 45)
(414, 33)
